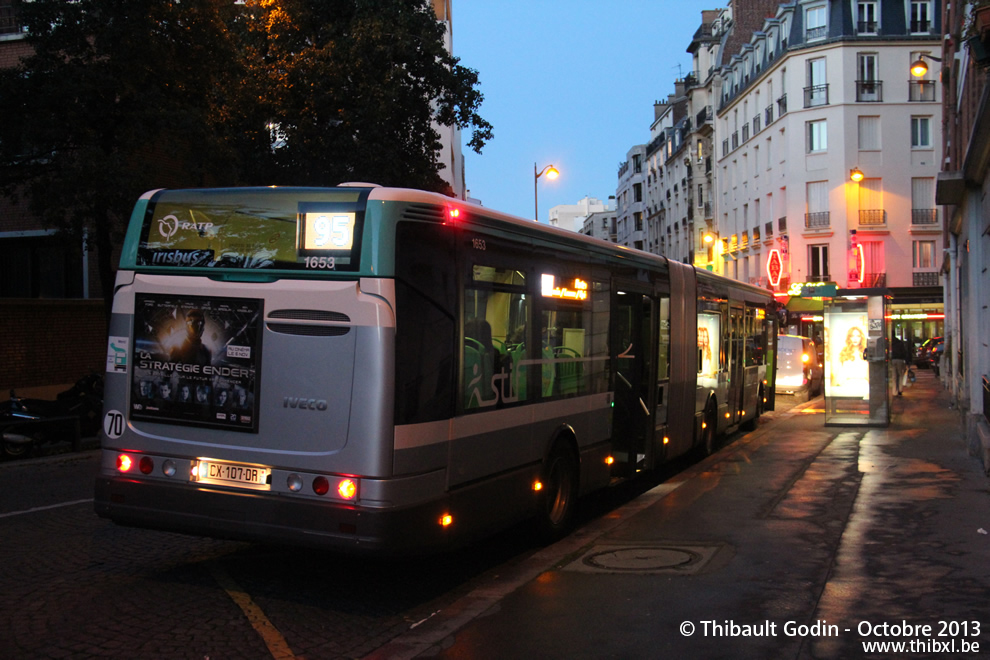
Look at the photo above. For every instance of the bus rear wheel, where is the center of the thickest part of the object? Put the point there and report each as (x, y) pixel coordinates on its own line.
(709, 432)
(559, 495)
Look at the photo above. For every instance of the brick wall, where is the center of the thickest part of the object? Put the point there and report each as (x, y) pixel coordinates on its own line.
(50, 342)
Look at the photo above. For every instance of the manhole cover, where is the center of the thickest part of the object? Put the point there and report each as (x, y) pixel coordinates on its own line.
(680, 559)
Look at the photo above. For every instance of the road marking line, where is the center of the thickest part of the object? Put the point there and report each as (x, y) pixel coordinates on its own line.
(277, 646)
(44, 508)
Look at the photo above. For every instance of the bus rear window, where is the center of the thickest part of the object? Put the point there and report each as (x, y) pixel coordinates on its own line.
(254, 228)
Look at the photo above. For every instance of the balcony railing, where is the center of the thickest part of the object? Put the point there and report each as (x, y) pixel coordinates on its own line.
(768, 115)
(921, 90)
(866, 27)
(873, 217)
(869, 91)
(705, 115)
(815, 95)
(816, 33)
(925, 279)
(924, 216)
(735, 140)
(817, 220)
(920, 26)
(782, 106)
(874, 280)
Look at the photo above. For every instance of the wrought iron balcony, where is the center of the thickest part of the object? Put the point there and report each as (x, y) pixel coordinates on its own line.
(873, 217)
(924, 216)
(819, 220)
(866, 27)
(921, 90)
(874, 280)
(869, 91)
(925, 279)
(815, 95)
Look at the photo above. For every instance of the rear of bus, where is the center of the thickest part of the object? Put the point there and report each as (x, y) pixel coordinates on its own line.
(250, 377)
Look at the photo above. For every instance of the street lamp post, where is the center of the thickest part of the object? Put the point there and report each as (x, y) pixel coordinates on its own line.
(551, 173)
(919, 68)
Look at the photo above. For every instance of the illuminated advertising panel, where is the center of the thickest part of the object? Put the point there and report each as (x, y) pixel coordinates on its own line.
(847, 372)
(197, 361)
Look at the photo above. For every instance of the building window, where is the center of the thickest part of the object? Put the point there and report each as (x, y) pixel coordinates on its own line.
(868, 85)
(921, 132)
(10, 23)
(921, 12)
(40, 267)
(814, 19)
(923, 257)
(817, 136)
(866, 17)
(869, 133)
(816, 93)
(818, 263)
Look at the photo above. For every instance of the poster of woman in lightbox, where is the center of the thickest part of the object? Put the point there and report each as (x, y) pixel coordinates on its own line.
(846, 369)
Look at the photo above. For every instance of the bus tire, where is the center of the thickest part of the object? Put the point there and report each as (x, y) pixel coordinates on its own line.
(709, 434)
(559, 495)
(750, 424)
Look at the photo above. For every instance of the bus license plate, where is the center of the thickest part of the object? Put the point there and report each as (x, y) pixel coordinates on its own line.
(231, 473)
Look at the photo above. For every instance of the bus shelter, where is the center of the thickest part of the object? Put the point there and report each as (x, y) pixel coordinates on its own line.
(856, 358)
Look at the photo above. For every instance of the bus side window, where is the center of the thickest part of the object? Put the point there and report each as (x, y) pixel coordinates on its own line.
(425, 295)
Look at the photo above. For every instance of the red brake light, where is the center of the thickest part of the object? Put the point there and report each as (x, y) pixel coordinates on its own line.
(124, 463)
(146, 465)
(321, 486)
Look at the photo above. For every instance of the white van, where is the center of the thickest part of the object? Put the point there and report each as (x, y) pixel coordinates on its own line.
(798, 370)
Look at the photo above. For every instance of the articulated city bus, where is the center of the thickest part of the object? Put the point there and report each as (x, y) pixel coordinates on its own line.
(387, 370)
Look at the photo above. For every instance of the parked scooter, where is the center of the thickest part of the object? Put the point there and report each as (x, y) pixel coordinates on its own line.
(28, 424)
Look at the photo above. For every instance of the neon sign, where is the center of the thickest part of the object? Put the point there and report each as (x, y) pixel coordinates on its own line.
(576, 289)
(775, 266)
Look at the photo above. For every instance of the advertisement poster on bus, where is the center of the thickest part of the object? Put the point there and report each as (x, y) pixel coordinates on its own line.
(709, 345)
(197, 361)
(847, 372)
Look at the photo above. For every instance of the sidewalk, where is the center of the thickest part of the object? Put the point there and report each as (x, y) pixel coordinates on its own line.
(795, 541)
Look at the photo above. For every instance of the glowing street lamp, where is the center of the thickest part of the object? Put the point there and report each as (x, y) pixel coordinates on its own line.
(856, 174)
(552, 173)
(919, 68)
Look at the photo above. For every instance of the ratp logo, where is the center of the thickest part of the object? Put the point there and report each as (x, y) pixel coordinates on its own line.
(167, 226)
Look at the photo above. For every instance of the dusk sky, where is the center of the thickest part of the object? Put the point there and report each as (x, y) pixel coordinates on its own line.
(568, 83)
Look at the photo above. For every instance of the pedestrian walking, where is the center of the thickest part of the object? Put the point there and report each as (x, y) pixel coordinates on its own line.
(898, 360)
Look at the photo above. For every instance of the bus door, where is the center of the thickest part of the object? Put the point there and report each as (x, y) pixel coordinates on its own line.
(736, 374)
(634, 375)
(663, 377)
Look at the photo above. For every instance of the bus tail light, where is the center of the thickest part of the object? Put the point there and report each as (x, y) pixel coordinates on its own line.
(446, 520)
(347, 489)
(146, 464)
(537, 485)
(321, 486)
(124, 463)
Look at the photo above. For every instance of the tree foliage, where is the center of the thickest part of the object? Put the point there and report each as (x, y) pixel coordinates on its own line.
(122, 96)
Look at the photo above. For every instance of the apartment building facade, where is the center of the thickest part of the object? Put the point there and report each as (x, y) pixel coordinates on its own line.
(630, 199)
(828, 150)
(962, 188)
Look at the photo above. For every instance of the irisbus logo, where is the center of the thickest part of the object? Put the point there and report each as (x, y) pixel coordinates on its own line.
(304, 404)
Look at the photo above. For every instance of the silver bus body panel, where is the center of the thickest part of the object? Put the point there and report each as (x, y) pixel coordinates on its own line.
(331, 390)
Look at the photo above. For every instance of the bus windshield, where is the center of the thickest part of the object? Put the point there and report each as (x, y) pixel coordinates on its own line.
(287, 229)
